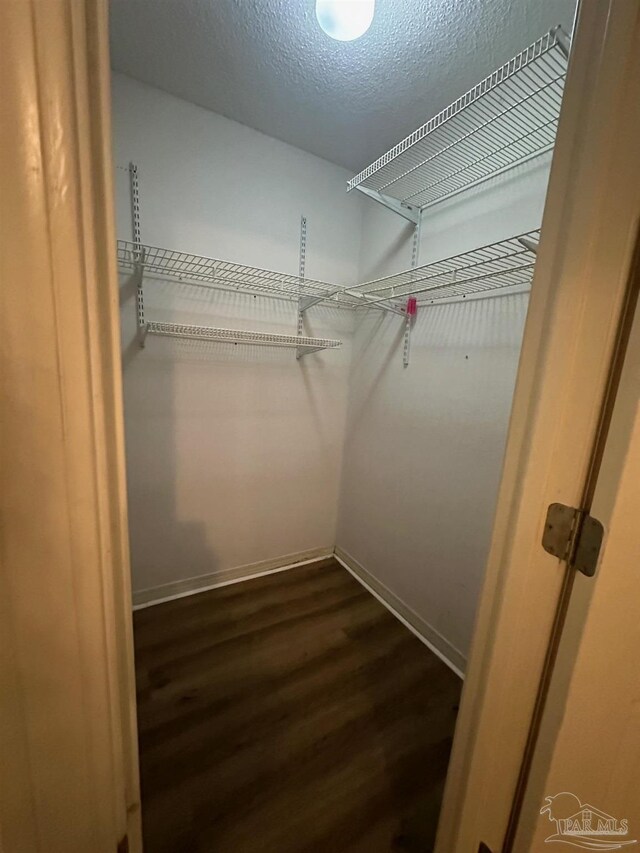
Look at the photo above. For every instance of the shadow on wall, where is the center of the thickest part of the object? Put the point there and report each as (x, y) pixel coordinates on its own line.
(385, 256)
(163, 546)
(420, 518)
(233, 452)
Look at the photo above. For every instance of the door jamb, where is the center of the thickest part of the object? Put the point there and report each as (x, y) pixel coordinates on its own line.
(576, 301)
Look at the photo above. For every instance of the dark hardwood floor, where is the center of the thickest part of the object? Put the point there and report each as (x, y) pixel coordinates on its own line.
(289, 714)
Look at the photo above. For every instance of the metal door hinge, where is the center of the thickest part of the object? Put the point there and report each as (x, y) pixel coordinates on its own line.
(574, 536)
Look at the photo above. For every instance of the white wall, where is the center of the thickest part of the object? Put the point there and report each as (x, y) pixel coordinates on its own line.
(233, 453)
(424, 443)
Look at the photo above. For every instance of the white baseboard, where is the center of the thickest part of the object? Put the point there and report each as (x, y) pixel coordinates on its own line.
(202, 583)
(441, 647)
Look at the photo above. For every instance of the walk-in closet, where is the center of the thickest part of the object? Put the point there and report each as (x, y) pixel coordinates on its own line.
(328, 218)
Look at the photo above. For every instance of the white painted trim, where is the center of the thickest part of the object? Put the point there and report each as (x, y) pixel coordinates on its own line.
(192, 586)
(425, 632)
(68, 709)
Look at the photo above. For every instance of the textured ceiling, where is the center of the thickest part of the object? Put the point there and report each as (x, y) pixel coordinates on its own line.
(267, 64)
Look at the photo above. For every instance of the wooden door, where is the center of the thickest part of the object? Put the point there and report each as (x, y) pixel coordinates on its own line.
(587, 754)
(579, 290)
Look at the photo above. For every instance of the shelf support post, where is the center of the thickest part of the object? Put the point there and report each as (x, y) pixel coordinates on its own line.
(406, 351)
(303, 303)
(409, 318)
(138, 252)
(142, 326)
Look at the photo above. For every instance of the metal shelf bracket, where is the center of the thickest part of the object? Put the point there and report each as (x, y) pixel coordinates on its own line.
(302, 351)
(529, 243)
(407, 211)
(307, 302)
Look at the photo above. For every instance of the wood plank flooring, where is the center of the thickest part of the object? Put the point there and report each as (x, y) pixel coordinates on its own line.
(289, 714)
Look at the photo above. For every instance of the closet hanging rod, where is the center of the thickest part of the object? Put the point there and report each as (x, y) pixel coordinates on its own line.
(504, 121)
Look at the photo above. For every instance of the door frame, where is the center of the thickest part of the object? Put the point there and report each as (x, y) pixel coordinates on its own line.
(578, 292)
(69, 782)
(588, 733)
(64, 336)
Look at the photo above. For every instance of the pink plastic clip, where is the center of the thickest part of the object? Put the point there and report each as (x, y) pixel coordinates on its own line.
(412, 306)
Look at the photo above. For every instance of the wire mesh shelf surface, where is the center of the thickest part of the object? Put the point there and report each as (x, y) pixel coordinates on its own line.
(238, 336)
(505, 120)
(508, 263)
(210, 272)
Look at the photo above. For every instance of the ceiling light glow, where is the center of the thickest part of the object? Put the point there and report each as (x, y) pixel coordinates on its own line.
(345, 20)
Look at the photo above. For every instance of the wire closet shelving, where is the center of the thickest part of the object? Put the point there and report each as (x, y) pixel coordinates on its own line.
(169, 264)
(189, 269)
(505, 264)
(505, 120)
(238, 336)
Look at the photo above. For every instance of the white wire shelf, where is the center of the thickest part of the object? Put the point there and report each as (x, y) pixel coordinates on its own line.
(509, 263)
(508, 118)
(238, 336)
(211, 272)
